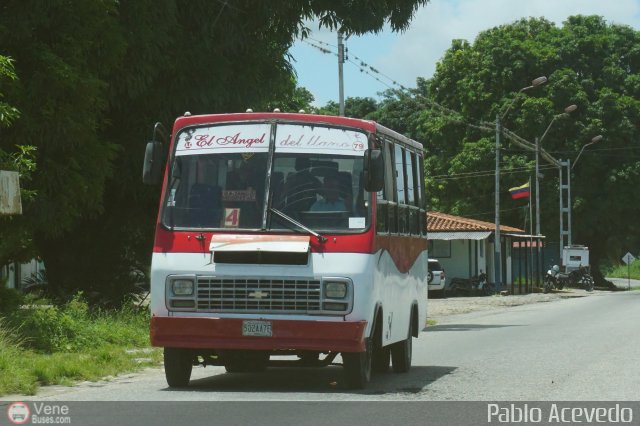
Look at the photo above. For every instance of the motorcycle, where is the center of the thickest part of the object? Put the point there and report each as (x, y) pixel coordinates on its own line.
(580, 277)
(472, 286)
(553, 280)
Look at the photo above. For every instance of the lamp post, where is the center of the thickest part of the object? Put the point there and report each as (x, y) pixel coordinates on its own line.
(568, 110)
(497, 252)
(594, 140)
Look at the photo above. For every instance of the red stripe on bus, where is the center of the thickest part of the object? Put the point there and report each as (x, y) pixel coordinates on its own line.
(226, 333)
(198, 242)
(197, 120)
(404, 250)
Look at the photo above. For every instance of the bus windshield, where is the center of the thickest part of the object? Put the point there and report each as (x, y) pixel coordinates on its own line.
(226, 177)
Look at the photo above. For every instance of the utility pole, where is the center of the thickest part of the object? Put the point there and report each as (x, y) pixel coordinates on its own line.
(497, 253)
(537, 186)
(340, 76)
(497, 243)
(538, 248)
(565, 204)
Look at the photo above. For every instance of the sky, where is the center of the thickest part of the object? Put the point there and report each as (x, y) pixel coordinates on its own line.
(403, 57)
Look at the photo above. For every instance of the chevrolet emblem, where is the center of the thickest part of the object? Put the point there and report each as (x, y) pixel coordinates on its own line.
(258, 294)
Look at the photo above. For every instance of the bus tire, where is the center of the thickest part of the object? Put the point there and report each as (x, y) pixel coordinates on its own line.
(401, 354)
(381, 359)
(177, 366)
(357, 367)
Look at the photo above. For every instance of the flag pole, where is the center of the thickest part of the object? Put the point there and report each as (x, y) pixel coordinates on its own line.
(531, 235)
(530, 221)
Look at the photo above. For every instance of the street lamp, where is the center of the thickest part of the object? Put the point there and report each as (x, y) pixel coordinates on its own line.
(497, 255)
(595, 139)
(568, 110)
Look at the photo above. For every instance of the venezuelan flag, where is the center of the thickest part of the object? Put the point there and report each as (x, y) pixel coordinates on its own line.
(521, 191)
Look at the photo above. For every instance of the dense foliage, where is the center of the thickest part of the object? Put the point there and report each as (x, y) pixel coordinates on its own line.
(93, 78)
(588, 62)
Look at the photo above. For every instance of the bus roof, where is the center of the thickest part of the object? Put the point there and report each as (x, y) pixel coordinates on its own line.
(368, 125)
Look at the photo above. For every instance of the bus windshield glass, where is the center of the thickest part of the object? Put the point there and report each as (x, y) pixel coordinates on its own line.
(219, 178)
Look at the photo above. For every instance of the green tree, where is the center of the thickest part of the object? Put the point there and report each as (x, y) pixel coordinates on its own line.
(15, 237)
(7, 72)
(357, 107)
(95, 76)
(588, 62)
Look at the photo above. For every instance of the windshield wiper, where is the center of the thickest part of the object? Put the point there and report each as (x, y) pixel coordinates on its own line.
(320, 238)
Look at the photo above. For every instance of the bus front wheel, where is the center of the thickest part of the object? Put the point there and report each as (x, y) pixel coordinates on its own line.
(357, 367)
(177, 366)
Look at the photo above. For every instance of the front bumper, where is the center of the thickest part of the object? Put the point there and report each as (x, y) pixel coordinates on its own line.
(226, 333)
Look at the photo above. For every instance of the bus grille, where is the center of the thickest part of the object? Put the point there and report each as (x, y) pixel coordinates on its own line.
(258, 295)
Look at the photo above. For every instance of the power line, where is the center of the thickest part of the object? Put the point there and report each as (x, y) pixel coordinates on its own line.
(483, 173)
(399, 89)
(449, 114)
(481, 214)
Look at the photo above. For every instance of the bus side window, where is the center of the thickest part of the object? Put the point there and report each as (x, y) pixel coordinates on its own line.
(385, 215)
(422, 192)
(401, 188)
(412, 193)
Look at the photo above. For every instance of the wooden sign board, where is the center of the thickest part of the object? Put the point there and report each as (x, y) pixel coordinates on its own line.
(10, 193)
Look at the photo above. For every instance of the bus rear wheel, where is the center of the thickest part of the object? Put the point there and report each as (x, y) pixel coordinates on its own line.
(357, 367)
(401, 355)
(177, 366)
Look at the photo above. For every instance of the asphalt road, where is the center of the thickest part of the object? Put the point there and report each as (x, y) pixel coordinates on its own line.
(576, 349)
(582, 348)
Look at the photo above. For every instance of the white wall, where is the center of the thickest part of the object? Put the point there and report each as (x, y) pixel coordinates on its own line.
(462, 263)
(14, 273)
(458, 264)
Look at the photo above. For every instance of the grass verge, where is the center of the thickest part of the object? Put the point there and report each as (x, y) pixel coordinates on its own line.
(43, 344)
(622, 271)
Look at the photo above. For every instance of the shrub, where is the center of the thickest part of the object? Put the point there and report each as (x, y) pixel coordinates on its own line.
(73, 327)
(10, 299)
(50, 328)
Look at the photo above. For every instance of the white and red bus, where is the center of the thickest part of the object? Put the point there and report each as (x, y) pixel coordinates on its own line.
(287, 234)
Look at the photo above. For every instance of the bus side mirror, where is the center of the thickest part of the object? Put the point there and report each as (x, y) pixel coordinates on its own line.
(152, 167)
(373, 170)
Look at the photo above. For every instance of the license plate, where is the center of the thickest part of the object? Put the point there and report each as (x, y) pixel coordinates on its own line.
(256, 328)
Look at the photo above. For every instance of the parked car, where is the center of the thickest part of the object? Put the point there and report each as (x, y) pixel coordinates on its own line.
(436, 278)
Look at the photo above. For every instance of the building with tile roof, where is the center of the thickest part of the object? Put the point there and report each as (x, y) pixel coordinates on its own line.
(465, 247)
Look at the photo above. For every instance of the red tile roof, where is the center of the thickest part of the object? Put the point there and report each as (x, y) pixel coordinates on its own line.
(442, 222)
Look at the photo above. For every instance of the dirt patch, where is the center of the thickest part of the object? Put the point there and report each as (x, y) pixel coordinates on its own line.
(461, 305)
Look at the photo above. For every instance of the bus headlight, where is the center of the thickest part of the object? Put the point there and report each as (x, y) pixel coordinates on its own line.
(182, 287)
(335, 289)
